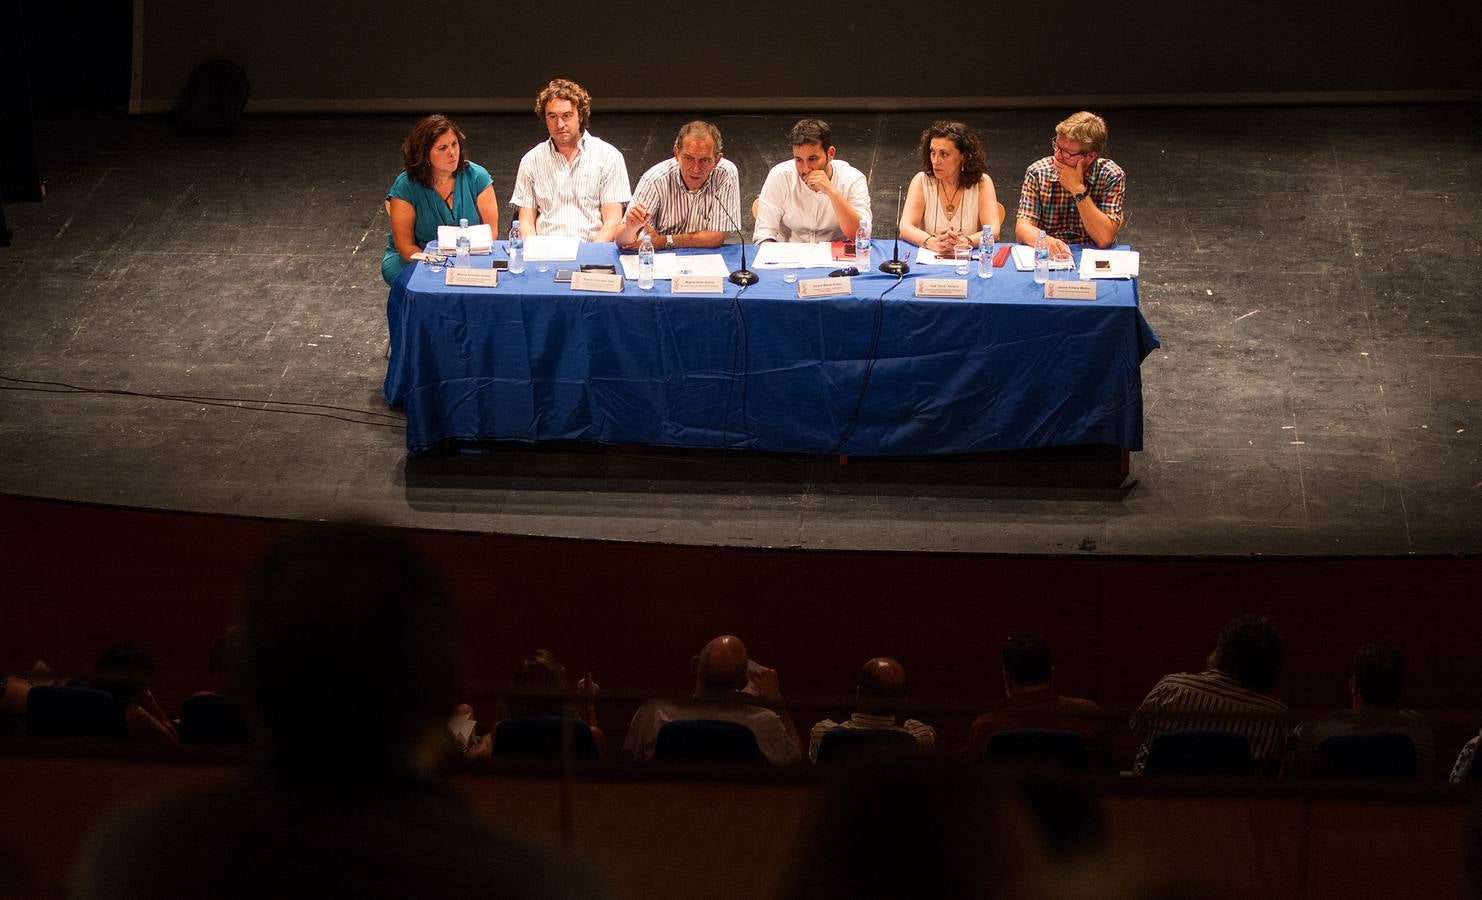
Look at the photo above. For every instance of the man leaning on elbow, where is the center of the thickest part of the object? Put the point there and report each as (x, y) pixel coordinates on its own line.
(1075, 195)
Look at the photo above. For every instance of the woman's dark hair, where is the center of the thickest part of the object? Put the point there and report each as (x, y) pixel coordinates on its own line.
(418, 145)
(539, 685)
(974, 163)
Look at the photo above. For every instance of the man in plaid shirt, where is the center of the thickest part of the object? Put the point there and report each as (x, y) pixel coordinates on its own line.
(1075, 194)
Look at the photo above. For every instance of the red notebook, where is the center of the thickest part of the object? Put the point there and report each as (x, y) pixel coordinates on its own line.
(843, 251)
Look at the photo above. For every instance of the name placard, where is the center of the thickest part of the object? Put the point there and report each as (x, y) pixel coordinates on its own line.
(471, 277)
(697, 284)
(955, 288)
(824, 287)
(1070, 290)
(603, 282)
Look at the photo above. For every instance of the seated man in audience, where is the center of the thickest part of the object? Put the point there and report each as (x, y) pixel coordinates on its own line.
(123, 672)
(721, 673)
(691, 200)
(814, 197)
(1030, 701)
(575, 183)
(882, 687)
(216, 715)
(1374, 697)
(348, 671)
(1232, 694)
(1075, 195)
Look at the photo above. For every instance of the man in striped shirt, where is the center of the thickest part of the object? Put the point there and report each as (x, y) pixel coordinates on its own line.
(691, 200)
(575, 183)
(1233, 694)
(882, 687)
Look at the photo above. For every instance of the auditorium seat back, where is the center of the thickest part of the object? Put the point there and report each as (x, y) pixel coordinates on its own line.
(68, 711)
(1198, 752)
(707, 740)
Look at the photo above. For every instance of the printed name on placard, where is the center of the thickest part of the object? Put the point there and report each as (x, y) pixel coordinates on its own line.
(1070, 290)
(697, 284)
(824, 287)
(955, 288)
(471, 277)
(603, 282)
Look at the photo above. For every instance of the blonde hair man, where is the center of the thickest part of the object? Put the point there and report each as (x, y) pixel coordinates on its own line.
(1075, 194)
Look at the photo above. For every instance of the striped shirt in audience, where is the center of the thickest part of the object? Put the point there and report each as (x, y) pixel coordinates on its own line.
(568, 197)
(675, 209)
(1214, 701)
(925, 735)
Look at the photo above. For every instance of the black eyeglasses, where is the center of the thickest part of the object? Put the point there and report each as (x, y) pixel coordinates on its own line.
(1061, 151)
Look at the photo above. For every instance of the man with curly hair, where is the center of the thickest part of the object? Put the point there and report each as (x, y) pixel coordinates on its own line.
(573, 184)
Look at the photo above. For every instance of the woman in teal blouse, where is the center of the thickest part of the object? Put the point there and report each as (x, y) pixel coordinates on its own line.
(438, 187)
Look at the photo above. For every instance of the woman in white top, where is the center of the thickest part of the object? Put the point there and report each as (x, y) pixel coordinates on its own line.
(951, 199)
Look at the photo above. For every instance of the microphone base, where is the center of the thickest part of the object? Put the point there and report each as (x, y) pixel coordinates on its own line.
(744, 277)
(896, 267)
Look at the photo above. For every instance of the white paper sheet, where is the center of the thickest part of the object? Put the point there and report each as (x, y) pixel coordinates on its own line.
(667, 265)
(780, 255)
(1120, 263)
(927, 257)
(550, 248)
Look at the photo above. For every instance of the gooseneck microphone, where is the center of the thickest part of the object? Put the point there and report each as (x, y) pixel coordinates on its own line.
(742, 276)
(895, 266)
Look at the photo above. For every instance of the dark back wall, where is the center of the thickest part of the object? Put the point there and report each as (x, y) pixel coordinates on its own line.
(376, 55)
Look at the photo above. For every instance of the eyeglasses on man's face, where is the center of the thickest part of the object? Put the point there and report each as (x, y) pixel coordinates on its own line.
(1064, 153)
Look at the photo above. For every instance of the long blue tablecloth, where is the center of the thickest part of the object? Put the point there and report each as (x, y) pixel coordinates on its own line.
(532, 360)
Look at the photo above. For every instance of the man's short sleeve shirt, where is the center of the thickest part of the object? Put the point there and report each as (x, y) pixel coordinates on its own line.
(675, 209)
(568, 196)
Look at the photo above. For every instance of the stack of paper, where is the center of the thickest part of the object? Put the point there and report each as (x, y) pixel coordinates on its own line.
(667, 265)
(480, 239)
(780, 255)
(925, 257)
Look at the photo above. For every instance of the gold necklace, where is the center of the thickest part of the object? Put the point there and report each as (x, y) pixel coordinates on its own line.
(949, 203)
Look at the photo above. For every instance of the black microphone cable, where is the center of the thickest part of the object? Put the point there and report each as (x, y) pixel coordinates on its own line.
(871, 355)
(297, 408)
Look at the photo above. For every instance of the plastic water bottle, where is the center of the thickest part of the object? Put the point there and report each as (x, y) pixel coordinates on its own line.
(646, 263)
(862, 245)
(985, 252)
(1041, 258)
(463, 244)
(516, 249)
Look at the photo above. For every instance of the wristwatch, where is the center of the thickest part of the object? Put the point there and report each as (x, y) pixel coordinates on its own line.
(1079, 197)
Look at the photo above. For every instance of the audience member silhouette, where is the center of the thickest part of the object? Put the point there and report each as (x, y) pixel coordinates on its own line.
(725, 676)
(916, 825)
(123, 673)
(1232, 694)
(1030, 701)
(348, 676)
(215, 716)
(878, 697)
(540, 688)
(1374, 684)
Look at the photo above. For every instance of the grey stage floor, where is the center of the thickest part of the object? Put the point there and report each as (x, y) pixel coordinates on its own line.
(1312, 273)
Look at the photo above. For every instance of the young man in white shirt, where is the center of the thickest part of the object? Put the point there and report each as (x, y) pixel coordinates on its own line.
(813, 197)
(574, 184)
